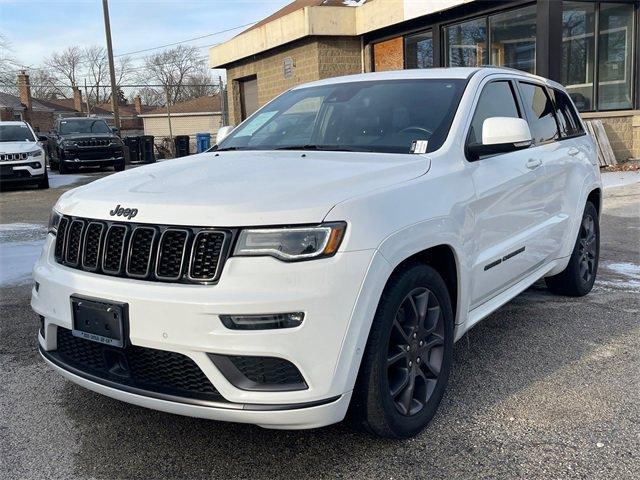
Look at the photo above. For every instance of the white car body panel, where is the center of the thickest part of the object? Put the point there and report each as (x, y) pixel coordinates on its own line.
(24, 148)
(395, 206)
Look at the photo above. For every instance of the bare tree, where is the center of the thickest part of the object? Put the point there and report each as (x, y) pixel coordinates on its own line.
(172, 69)
(66, 64)
(97, 68)
(150, 96)
(8, 67)
(199, 84)
(44, 85)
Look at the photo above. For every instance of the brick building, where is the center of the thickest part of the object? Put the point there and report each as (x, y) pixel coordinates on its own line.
(590, 46)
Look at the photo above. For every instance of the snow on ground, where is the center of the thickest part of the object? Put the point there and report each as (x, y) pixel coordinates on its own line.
(56, 180)
(20, 245)
(620, 179)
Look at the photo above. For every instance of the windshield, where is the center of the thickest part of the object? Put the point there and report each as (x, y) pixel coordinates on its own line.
(373, 116)
(16, 133)
(84, 126)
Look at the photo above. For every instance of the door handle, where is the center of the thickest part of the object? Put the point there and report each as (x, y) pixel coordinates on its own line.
(533, 163)
(573, 151)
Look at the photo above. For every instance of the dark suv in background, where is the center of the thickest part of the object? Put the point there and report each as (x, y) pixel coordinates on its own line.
(84, 142)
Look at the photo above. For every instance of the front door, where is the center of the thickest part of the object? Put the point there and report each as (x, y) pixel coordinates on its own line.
(509, 208)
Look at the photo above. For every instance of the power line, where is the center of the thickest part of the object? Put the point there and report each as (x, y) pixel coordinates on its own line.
(185, 41)
(32, 68)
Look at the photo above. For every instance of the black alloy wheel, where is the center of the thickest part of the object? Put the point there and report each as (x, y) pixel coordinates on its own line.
(578, 277)
(587, 248)
(415, 351)
(407, 360)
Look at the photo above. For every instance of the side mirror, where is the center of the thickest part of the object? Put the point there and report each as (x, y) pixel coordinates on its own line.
(43, 138)
(223, 132)
(115, 130)
(501, 135)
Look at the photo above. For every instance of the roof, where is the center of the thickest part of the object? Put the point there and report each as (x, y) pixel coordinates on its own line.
(58, 104)
(424, 73)
(205, 104)
(124, 109)
(13, 102)
(299, 4)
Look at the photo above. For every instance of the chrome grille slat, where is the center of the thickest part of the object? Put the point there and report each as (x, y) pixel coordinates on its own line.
(142, 251)
(205, 255)
(91, 249)
(171, 251)
(74, 243)
(114, 248)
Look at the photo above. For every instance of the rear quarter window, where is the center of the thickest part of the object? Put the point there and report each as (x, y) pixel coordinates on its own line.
(540, 113)
(568, 119)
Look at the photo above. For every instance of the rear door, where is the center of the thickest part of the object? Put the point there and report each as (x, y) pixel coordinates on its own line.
(509, 208)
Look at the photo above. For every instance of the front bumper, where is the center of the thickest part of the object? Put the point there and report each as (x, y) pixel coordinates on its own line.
(22, 172)
(93, 157)
(326, 349)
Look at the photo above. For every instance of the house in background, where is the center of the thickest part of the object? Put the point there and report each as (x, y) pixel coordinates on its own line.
(41, 113)
(590, 46)
(198, 115)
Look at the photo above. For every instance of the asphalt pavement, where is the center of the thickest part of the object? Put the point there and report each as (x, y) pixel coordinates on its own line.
(546, 387)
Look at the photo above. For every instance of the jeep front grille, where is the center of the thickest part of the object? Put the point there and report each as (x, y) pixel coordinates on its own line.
(94, 142)
(141, 251)
(9, 157)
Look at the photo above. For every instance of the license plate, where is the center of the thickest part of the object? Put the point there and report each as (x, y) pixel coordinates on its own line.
(99, 320)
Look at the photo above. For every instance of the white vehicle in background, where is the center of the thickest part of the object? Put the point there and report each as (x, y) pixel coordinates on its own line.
(324, 257)
(22, 159)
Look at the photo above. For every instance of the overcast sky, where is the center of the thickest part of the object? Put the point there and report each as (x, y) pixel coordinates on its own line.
(36, 28)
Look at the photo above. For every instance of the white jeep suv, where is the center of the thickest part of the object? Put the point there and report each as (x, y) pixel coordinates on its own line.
(322, 260)
(22, 159)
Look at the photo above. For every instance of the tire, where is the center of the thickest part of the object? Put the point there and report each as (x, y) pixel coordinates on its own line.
(577, 279)
(63, 168)
(118, 166)
(389, 374)
(44, 183)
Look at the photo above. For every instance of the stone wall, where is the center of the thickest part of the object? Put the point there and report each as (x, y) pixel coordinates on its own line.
(309, 59)
(623, 131)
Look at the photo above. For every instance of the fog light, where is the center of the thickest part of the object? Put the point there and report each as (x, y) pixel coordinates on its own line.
(36, 164)
(262, 322)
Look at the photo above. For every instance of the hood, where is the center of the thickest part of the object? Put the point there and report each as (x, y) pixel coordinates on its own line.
(18, 147)
(242, 188)
(84, 136)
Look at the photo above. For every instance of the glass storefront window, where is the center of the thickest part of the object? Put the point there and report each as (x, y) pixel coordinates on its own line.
(513, 39)
(418, 50)
(578, 52)
(615, 56)
(466, 44)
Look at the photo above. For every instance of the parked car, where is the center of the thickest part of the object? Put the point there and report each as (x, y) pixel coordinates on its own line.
(298, 279)
(84, 142)
(22, 159)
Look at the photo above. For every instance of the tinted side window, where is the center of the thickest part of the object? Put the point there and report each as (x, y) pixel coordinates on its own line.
(568, 119)
(539, 108)
(496, 100)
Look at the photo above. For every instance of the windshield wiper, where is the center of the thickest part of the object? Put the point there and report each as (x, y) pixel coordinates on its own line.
(324, 148)
(226, 149)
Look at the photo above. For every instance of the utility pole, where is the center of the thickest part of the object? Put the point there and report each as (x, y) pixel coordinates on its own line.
(112, 71)
(172, 144)
(86, 94)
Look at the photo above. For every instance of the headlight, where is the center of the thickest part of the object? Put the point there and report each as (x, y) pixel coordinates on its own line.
(291, 244)
(54, 220)
(35, 153)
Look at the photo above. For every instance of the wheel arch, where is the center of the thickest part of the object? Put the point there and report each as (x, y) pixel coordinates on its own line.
(595, 197)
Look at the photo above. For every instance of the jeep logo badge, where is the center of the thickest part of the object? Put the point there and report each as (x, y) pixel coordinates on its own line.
(128, 213)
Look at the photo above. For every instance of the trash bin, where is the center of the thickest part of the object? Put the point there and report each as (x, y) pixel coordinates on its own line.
(203, 141)
(182, 145)
(133, 143)
(146, 149)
